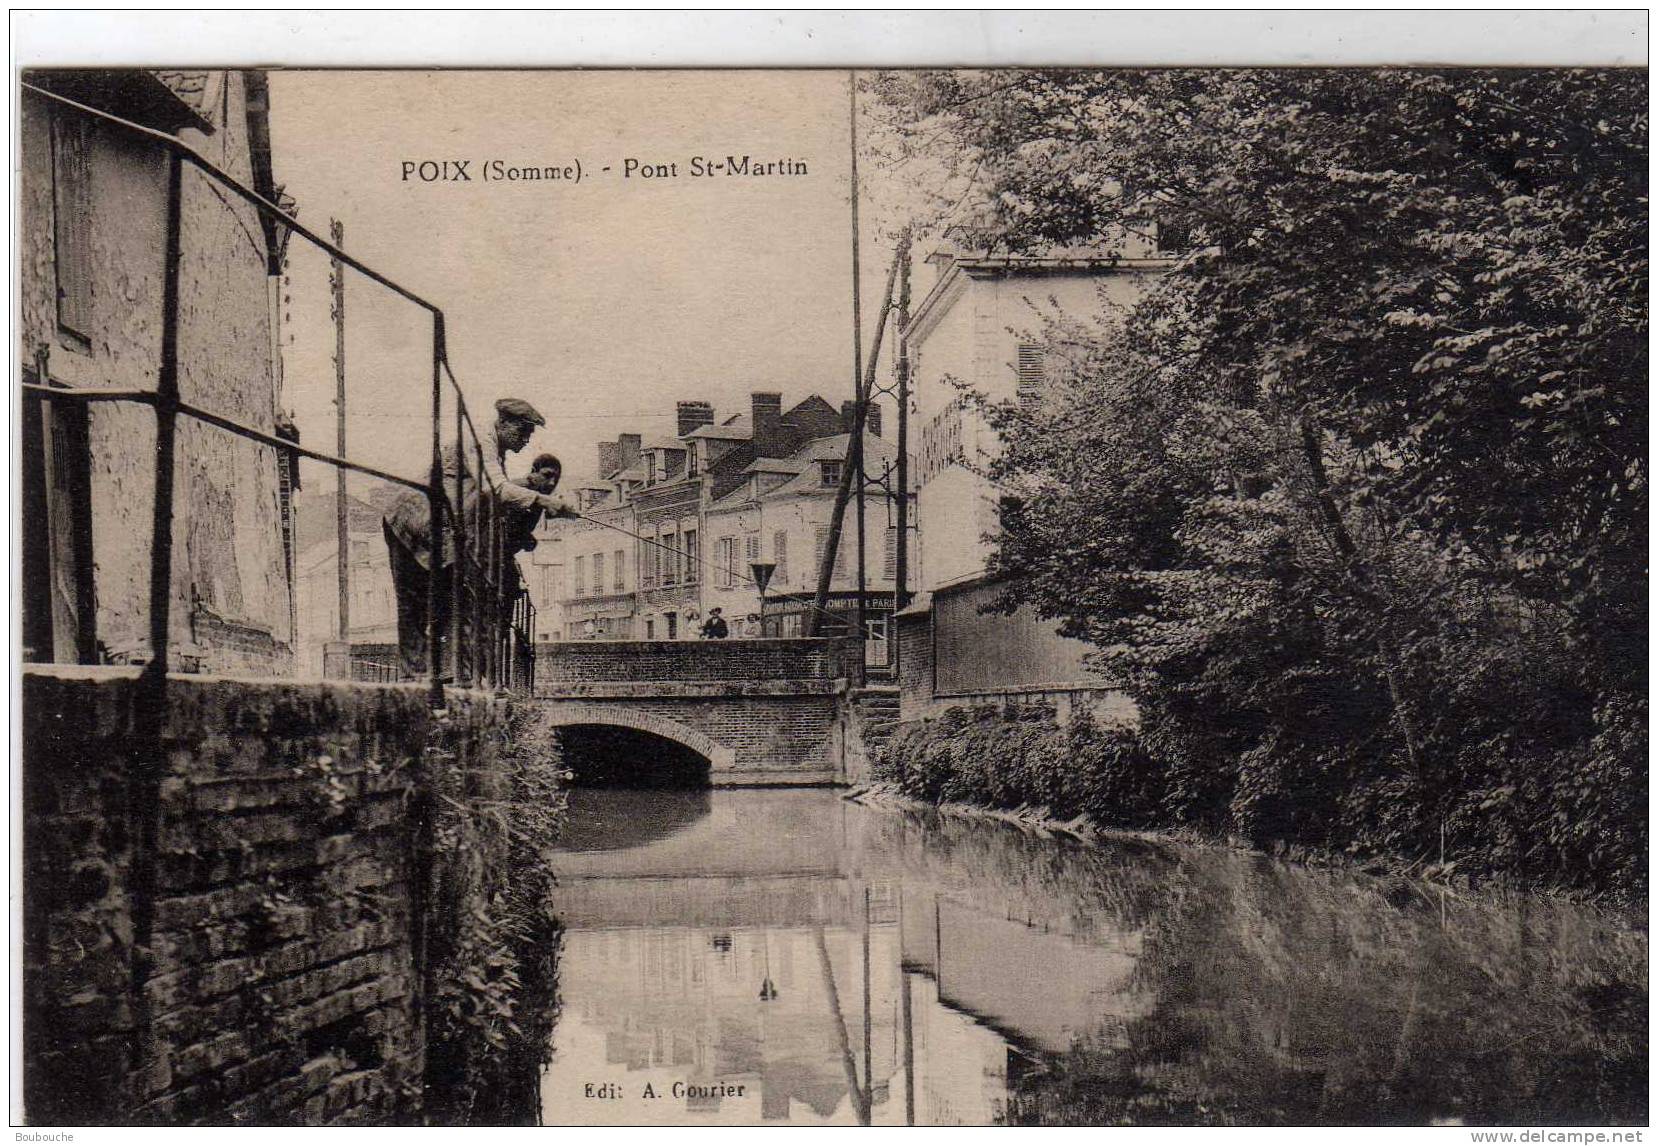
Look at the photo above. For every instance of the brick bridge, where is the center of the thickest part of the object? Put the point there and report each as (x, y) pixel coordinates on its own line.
(760, 712)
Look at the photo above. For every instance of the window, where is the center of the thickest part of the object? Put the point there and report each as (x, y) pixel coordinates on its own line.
(621, 581)
(751, 547)
(780, 555)
(598, 573)
(830, 471)
(822, 543)
(650, 628)
(670, 557)
(673, 625)
(1030, 372)
(693, 559)
(889, 555)
(579, 578)
(72, 223)
(876, 647)
(691, 461)
(725, 556)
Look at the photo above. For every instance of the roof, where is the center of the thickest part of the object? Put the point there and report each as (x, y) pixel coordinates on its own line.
(774, 466)
(632, 473)
(189, 85)
(736, 499)
(132, 93)
(664, 444)
(731, 431)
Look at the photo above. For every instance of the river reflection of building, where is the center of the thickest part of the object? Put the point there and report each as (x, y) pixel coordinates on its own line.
(685, 1013)
(1028, 979)
(826, 993)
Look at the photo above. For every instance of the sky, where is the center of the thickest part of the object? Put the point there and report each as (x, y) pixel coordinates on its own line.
(603, 301)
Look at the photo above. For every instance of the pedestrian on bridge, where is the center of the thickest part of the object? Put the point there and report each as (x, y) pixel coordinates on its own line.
(714, 628)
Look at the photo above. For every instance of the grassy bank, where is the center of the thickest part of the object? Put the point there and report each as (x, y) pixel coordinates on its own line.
(1554, 827)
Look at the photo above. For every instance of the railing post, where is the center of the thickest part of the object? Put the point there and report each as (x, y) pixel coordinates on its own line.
(457, 569)
(497, 592)
(152, 691)
(478, 597)
(434, 499)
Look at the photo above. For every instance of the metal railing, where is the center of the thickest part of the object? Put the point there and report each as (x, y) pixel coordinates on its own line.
(491, 623)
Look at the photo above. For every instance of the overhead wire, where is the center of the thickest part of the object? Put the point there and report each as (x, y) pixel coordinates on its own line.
(700, 560)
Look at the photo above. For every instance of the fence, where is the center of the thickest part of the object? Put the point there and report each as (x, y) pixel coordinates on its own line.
(488, 642)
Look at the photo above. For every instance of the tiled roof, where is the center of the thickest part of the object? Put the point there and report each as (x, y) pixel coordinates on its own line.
(732, 431)
(189, 86)
(876, 451)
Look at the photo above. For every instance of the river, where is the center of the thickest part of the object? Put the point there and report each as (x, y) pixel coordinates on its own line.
(769, 956)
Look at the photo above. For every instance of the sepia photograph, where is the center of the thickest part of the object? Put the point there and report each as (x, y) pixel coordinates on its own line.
(856, 596)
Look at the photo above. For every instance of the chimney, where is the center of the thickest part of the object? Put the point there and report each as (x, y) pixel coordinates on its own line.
(768, 422)
(628, 446)
(610, 458)
(872, 418)
(694, 414)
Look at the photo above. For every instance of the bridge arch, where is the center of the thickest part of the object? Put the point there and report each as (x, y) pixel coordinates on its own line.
(720, 757)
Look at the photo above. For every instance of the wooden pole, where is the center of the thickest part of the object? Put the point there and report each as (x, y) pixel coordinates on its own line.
(900, 588)
(843, 494)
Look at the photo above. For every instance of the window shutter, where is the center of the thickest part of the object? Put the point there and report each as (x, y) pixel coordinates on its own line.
(1031, 360)
(72, 221)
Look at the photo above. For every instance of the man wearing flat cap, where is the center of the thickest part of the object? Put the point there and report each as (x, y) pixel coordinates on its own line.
(408, 525)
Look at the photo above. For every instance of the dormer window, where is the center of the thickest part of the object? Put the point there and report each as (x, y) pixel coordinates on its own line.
(829, 471)
(691, 461)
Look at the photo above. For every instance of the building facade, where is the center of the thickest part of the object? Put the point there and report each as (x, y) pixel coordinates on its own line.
(702, 508)
(981, 325)
(94, 204)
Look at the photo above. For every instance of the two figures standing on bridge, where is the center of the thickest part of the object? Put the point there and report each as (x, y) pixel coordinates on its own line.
(408, 526)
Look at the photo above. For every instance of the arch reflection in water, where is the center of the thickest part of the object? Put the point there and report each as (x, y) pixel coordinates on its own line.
(933, 970)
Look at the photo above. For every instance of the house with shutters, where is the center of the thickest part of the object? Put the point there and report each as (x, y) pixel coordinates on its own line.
(705, 505)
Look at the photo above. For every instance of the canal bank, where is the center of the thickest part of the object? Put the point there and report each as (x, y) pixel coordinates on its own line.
(845, 964)
(1085, 771)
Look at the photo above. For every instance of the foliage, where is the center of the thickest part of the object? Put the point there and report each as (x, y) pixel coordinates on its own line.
(495, 939)
(1352, 496)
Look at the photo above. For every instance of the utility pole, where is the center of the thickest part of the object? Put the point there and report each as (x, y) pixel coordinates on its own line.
(900, 588)
(342, 514)
(854, 441)
(843, 494)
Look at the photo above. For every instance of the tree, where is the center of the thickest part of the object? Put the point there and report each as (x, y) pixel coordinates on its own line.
(1354, 497)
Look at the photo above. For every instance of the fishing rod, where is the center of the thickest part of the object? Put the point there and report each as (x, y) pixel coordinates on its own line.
(736, 573)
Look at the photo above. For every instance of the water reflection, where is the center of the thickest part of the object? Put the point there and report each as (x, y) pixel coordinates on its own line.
(784, 956)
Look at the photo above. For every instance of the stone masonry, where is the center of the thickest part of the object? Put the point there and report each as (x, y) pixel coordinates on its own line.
(761, 712)
(227, 931)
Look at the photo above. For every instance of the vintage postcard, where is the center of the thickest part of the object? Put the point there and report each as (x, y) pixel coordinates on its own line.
(906, 597)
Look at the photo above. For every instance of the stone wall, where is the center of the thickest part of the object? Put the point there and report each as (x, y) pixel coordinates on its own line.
(729, 660)
(228, 929)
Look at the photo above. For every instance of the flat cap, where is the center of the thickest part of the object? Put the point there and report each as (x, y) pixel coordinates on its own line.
(521, 410)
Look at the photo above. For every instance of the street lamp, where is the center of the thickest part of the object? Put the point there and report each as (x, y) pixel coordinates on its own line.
(762, 571)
